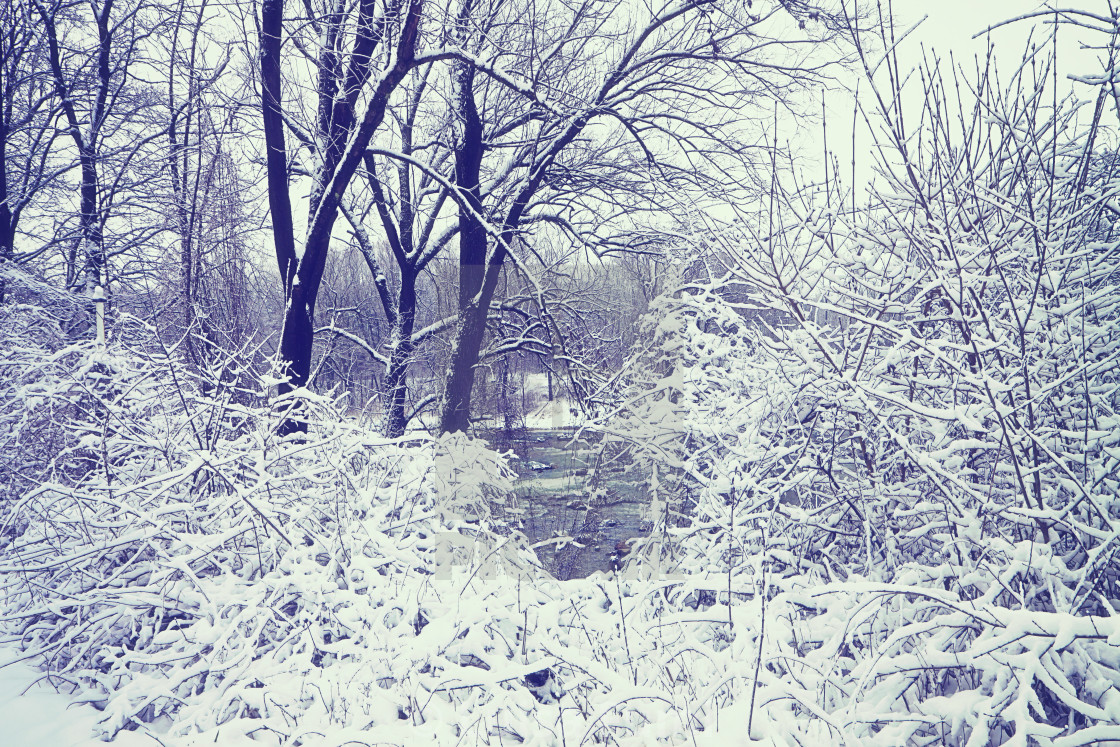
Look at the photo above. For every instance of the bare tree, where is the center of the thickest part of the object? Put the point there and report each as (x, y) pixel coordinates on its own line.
(199, 165)
(408, 204)
(103, 112)
(570, 116)
(371, 44)
(26, 131)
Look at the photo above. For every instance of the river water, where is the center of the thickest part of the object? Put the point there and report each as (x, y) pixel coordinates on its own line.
(596, 502)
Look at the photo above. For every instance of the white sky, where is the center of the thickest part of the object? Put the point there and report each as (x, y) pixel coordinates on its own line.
(949, 26)
(947, 30)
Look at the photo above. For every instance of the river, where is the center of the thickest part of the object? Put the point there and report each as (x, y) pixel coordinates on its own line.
(567, 490)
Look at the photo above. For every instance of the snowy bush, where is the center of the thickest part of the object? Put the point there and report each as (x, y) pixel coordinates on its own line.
(200, 578)
(901, 422)
(174, 543)
(33, 334)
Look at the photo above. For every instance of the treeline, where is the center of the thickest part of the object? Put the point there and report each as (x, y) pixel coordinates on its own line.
(388, 195)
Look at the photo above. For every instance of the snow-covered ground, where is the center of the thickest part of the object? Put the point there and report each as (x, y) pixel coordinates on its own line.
(35, 714)
(544, 414)
(559, 413)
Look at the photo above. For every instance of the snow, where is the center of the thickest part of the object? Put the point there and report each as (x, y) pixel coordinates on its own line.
(869, 527)
(34, 714)
(559, 413)
(348, 588)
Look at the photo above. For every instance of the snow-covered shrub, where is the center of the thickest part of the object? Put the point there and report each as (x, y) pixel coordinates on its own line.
(33, 338)
(206, 580)
(904, 419)
(172, 544)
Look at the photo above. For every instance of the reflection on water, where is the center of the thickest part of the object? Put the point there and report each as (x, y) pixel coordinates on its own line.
(567, 490)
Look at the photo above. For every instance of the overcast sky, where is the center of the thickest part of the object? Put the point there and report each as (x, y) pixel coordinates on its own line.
(947, 28)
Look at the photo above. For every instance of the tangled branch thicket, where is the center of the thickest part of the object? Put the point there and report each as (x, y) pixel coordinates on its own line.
(906, 416)
(883, 448)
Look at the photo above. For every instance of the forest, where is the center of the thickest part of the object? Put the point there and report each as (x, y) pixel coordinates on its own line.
(559, 372)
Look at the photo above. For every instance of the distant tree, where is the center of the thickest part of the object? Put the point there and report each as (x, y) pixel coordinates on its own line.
(408, 202)
(205, 185)
(93, 54)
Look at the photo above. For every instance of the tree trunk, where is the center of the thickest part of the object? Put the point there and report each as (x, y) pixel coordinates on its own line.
(400, 356)
(7, 227)
(85, 141)
(295, 342)
(346, 139)
(455, 412)
(93, 269)
(455, 409)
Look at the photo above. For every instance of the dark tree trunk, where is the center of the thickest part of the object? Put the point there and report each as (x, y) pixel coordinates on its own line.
(455, 415)
(465, 350)
(503, 398)
(92, 273)
(401, 315)
(90, 221)
(478, 271)
(296, 336)
(346, 140)
(400, 356)
(276, 157)
(468, 164)
(295, 342)
(7, 224)
(456, 411)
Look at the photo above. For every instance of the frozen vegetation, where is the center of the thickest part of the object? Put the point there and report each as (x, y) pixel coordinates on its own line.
(875, 431)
